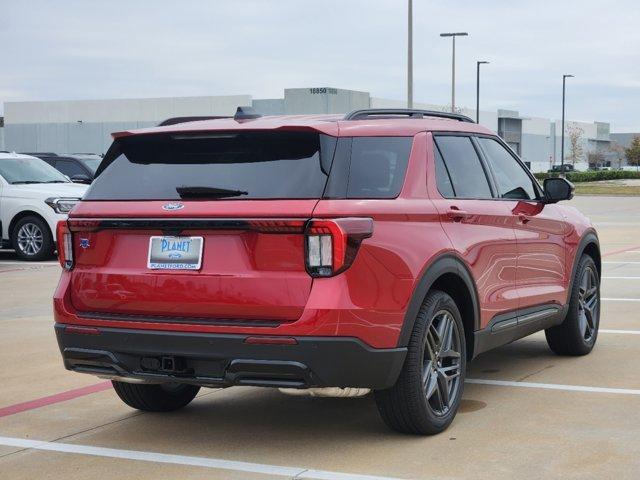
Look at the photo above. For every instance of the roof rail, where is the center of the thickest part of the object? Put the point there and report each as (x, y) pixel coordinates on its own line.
(176, 120)
(36, 154)
(373, 113)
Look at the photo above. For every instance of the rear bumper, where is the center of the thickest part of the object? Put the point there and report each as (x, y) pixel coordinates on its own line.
(223, 360)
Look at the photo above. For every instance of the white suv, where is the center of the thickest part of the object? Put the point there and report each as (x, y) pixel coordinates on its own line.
(34, 196)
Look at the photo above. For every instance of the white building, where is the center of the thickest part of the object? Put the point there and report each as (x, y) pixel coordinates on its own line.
(85, 125)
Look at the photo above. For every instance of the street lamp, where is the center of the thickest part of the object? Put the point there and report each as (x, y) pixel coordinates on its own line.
(453, 66)
(478, 89)
(564, 81)
(410, 56)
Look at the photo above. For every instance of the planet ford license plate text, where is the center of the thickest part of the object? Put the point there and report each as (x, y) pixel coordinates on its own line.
(175, 253)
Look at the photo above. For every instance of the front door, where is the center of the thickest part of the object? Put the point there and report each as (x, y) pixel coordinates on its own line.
(539, 228)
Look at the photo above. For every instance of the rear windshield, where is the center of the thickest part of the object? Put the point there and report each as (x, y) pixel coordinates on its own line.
(240, 165)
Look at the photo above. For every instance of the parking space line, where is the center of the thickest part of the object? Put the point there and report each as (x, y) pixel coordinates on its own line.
(621, 278)
(609, 299)
(620, 332)
(609, 262)
(216, 463)
(56, 398)
(29, 264)
(554, 386)
(622, 250)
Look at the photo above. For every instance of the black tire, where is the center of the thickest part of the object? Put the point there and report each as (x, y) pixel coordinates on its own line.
(155, 398)
(578, 333)
(21, 236)
(407, 406)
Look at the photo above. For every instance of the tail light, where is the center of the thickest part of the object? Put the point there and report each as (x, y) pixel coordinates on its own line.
(65, 245)
(331, 245)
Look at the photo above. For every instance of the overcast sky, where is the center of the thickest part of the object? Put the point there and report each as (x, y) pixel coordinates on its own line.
(60, 50)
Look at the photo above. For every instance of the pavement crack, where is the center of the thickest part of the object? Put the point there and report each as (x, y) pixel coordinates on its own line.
(300, 473)
(534, 373)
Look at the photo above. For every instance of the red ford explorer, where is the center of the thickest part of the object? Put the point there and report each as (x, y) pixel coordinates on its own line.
(382, 250)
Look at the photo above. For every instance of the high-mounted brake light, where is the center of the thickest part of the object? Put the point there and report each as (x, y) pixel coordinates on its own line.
(65, 245)
(331, 245)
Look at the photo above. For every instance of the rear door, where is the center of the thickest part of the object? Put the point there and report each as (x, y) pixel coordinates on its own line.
(479, 227)
(540, 229)
(243, 198)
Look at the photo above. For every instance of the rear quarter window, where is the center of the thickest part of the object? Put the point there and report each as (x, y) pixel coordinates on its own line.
(378, 166)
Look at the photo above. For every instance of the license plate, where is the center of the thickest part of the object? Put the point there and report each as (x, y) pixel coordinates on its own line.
(175, 253)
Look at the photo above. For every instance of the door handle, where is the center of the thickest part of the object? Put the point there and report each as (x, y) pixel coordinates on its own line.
(523, 218)
(457, 215)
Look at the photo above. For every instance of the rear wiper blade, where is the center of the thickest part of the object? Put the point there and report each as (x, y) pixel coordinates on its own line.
(56, 181)
(208, 192)
(24, 182)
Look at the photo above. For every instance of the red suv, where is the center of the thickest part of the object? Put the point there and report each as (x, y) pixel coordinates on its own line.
(384, 250)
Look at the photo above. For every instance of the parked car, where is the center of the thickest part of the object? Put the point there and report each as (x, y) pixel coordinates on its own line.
(80, 168)
(34, 197)
(558, 168)
(380, 250)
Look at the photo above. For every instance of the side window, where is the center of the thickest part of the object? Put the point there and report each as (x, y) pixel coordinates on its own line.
(69, 168)
(466, 173)
(442, 176)
(378, 166)
(511, 178)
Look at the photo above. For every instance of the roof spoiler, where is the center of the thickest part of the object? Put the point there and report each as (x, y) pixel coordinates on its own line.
(242, 113)
(176, 120)
(374, 113)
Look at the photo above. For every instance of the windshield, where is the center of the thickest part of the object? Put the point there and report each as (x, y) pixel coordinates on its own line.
(216, 165)
(91, 163)
(29, 170)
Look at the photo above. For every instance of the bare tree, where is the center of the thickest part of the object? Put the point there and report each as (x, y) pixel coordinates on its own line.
(619, 153)
(575, 148)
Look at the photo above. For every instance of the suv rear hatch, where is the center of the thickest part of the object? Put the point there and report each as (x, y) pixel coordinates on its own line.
(227, 211)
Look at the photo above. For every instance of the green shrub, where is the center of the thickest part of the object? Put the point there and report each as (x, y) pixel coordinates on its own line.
(592, 175)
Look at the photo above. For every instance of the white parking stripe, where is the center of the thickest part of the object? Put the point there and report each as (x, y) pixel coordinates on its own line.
(291, 472)
(27, 264)
(621, 278)
(621, 332)
(621, 263)
(554, 386)
(609, 299)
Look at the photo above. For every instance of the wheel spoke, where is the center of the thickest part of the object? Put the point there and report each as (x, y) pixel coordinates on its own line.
(431, 384)
(582, 323)
(443, 388)
(448, 335)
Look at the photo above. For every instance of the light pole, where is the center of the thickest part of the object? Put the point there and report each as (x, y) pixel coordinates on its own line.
(410, 56)
(453, 66)
(478, 89)
(564, 82)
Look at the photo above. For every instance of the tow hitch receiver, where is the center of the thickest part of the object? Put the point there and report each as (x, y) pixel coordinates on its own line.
(165, 364)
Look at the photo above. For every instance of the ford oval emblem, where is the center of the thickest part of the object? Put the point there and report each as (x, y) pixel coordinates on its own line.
(173, 206)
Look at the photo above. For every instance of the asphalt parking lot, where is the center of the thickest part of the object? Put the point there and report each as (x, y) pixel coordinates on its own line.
(526, 413)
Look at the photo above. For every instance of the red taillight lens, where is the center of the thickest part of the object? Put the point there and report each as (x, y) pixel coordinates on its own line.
(80, 225)
(65, 245)
(331, 245)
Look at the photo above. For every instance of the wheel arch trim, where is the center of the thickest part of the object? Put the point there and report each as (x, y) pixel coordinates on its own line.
(441, 265)
(590, 237)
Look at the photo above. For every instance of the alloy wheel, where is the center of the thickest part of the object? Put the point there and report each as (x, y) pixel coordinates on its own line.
(30, 239)
(588, 298)
(442, 363)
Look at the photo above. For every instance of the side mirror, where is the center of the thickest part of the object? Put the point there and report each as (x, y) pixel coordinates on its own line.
(557, 189)
(81, 178)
